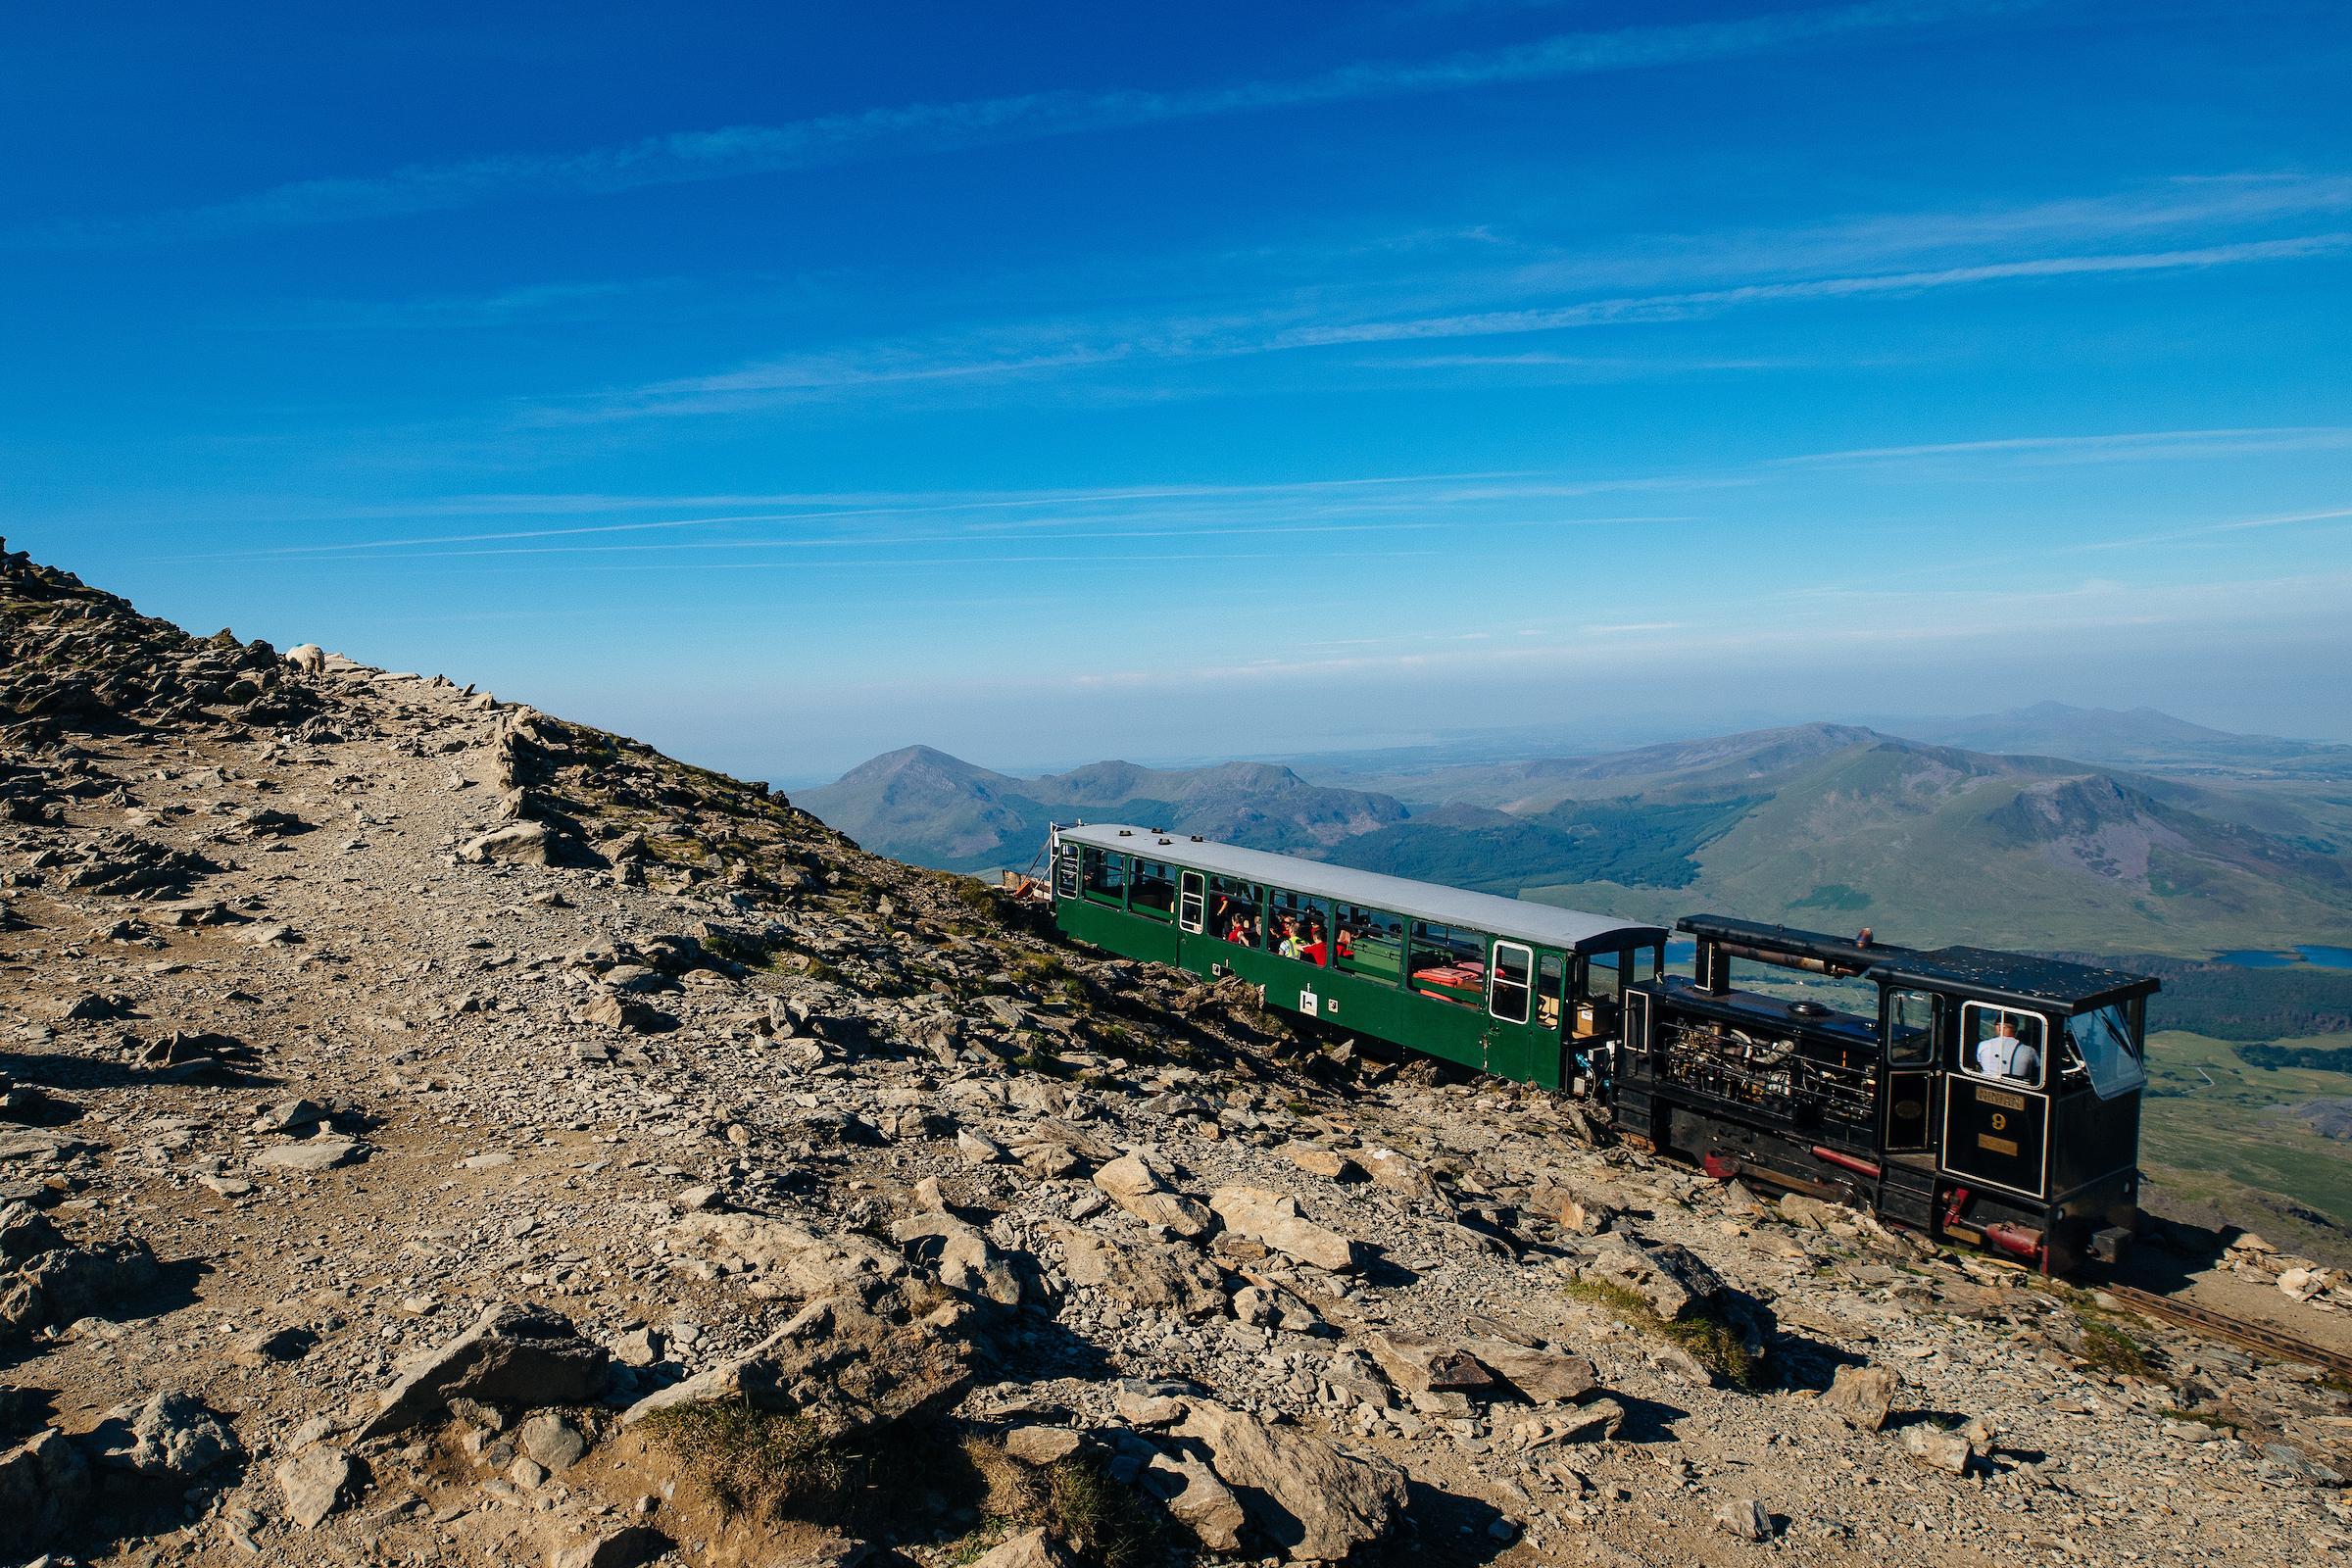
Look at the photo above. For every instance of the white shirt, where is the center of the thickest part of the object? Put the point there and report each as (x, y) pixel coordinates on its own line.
(2007, 1056)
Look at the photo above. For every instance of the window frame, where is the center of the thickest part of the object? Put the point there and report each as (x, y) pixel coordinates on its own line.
(1107, 899)
(1525, 984)
(1968, 1043)
(1136, 880)
(1924, 1057)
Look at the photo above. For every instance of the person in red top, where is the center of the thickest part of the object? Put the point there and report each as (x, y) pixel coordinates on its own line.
(1316, 949)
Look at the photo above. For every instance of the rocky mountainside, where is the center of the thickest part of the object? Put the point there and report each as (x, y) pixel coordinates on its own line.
(435, 1132)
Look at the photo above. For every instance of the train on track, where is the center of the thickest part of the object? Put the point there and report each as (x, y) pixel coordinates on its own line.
(1975, 1096)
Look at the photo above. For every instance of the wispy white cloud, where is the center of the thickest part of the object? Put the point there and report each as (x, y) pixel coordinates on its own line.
(736, 151)
(981, 357)
(2119, 447)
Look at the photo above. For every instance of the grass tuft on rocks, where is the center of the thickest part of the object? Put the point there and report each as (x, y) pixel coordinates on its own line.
(752, 1463)
(1709, 1341)
(1101, 1520)
(2109, 1349)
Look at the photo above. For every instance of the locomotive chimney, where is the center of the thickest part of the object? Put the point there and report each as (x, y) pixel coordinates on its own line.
(1863, 940)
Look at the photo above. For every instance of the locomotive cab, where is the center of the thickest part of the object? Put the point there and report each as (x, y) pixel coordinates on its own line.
(1987, 1097)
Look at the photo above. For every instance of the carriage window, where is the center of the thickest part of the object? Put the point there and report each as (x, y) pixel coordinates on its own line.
(1552, 976)
(1447, 963)
(1233, 911)
(2003, 1043)
(1154, 890)
(1367, 942)
(1065, 872)
(1910, 1028)
(1103, 873)
(1509, 985)
(1297, 926)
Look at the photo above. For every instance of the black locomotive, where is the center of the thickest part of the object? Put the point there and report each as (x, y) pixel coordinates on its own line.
(1991, 1097)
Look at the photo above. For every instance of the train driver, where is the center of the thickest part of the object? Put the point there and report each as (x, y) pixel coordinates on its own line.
(2003, 1053)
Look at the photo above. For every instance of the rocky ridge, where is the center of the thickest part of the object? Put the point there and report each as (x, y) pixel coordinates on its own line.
(438, 1131)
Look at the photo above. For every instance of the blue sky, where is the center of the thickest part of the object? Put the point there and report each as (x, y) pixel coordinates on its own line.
(1047, 382)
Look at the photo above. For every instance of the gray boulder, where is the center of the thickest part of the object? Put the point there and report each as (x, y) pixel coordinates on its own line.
(511, 1355)
(1274, 1221)
(1861, 1396)
(174, 1438)
(1160, 1279)
(1673, 1281)
(608, 1546)
(1313, 1500)
(1031, 1549)
(44, 1489)
(1141, 1187)
(314, 1483)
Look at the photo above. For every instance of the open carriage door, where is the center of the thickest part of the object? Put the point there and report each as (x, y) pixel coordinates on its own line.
(1192, 900)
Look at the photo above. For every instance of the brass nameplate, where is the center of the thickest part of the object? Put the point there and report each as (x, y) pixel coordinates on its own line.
(1999, 1145)
(2002, 1097)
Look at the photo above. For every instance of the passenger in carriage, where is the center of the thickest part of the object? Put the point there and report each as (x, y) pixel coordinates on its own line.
(1316, 949)
(1347, 946)
(1287, 947)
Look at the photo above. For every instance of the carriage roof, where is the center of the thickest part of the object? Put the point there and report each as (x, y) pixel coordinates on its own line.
(1519, 919)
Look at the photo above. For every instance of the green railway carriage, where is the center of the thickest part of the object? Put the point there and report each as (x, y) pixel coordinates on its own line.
(1521, 990)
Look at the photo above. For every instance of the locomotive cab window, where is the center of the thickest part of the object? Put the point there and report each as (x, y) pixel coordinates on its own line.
(1910, 1028)
(2104, 1045)
(2003, 1044)
(1511, 983)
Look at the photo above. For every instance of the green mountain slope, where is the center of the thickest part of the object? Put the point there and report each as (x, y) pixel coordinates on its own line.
(927, 807)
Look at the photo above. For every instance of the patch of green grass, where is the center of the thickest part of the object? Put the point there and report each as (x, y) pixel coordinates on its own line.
(978, 898)
(1101, 1520)
(2109, 1349)
(753, 1461)
(1708, 1339)
(1039, 970)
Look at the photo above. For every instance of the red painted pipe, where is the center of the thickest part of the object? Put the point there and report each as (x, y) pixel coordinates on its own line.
(1860, 1167)
(2016, 1240)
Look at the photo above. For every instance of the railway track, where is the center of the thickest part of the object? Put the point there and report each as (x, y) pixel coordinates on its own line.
(2238, 1331)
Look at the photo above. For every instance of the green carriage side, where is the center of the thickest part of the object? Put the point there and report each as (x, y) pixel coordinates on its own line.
(1521, 990)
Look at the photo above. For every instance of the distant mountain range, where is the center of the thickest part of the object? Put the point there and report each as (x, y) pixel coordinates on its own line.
(921, 805)
(2205, 841)
(2141, 737)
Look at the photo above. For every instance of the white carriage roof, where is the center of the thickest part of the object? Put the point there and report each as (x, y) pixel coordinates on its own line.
(1517, 918)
